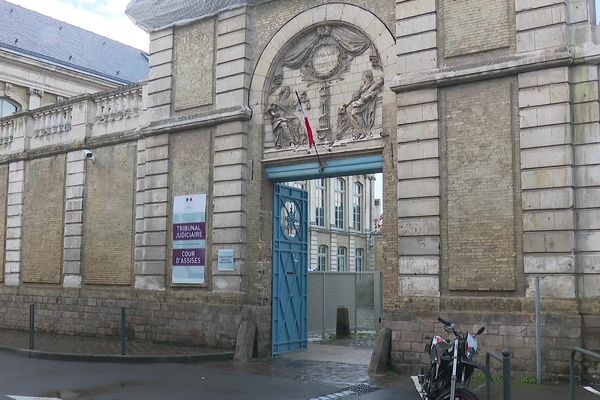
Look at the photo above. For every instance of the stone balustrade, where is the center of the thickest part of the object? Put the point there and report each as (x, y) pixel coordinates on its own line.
(71, 122)
(118, 106)
(56, 120)
(7, 131)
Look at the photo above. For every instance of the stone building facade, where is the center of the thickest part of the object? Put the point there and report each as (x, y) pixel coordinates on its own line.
(340, 213)
(486, 126)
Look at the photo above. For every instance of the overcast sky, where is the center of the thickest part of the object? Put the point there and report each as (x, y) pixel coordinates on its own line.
(105, 17)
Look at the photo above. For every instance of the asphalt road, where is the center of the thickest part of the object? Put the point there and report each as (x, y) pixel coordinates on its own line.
(278, 378)
(74, 380)
(265, 380)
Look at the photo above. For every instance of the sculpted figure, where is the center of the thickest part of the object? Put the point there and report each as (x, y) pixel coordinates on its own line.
(286, 126)
(358, 115)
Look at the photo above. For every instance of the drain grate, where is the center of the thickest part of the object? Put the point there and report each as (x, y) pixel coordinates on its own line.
(363, 388)
(349, 391)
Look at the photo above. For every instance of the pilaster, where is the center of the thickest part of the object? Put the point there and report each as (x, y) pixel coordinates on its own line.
(73, 229)
(418, 154)
(160, 77)
(230, 181)
(541, 24)
(14, 223)
(350, 257)
(586, 178)
(152, 212)
(233, 53)
(333, 252)
(547, 180)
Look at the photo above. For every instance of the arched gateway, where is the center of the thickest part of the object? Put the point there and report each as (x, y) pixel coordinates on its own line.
(332, 61)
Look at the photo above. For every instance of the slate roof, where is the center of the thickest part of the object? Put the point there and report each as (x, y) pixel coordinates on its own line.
(34, 35)
(153, 15)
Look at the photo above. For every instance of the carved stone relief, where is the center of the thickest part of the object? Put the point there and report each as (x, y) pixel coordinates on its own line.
(323, 58)
(8, 89)
(358, 116)
(286, 125)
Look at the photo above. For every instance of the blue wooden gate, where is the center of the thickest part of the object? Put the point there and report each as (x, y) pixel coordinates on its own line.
(290, 269)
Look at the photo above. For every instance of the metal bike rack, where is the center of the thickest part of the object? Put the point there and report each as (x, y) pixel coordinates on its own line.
(506, 374)
(585, 352)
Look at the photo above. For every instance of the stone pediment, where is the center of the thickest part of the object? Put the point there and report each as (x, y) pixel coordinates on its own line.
(333, 73)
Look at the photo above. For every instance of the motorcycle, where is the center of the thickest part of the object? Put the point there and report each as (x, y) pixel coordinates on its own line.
(451, 365)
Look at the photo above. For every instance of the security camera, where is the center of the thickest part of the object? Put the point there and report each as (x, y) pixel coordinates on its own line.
(89, 155)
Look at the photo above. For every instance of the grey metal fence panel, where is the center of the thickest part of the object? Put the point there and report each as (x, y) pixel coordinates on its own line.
(359, 292)
(315, 303)
(339, 291)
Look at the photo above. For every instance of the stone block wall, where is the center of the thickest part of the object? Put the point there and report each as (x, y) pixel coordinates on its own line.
(467, 26)
(108, 228)
(480, 242)
(518, 141)
(42, 240)
(193, 70)
(510, 325)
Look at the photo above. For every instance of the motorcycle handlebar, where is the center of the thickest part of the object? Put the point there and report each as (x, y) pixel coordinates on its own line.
(443, 321)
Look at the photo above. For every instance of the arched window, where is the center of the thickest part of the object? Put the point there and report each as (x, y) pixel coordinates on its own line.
(323, 257)
(340, 199)
(8, 107)
(357, 201)
(341, 261)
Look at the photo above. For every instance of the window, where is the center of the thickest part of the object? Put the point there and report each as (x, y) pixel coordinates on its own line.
(597, 10)
(341, 261)
(358, 259)
(297, 185)
(340, 196)
(323, 256)
(8, 107)
(320, 202)
(357, 200)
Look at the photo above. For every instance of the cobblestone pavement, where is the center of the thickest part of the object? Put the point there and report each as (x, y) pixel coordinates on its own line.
(87, 345)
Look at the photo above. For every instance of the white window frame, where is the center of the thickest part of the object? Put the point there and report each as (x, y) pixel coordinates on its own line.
(339, 219)
(322, 258)
(341, 259)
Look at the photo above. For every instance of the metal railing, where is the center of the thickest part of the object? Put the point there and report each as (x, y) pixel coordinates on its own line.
(506, 374)
(585, 352)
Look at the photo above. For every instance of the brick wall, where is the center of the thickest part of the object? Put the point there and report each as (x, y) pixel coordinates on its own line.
(193, 57)
(480, 243)
(467, 26)
(43, 220)
(108, 225)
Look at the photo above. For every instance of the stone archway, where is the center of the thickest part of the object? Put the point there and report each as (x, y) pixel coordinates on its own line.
(327, 25)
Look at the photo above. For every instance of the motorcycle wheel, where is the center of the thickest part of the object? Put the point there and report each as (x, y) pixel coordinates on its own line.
(460, 394)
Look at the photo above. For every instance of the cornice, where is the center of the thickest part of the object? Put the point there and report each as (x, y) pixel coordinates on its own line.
(203, 120)
(455, 75)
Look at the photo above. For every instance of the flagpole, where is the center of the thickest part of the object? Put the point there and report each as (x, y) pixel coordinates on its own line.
(311, 141)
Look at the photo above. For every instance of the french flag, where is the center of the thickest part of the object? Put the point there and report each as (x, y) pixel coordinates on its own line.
(309, 131)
